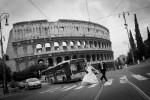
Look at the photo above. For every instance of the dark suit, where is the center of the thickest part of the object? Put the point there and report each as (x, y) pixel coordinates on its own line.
(103, 71)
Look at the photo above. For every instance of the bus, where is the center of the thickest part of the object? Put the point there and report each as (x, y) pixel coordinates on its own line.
(66, 71)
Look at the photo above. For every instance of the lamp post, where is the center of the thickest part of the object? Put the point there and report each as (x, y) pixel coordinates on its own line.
(3, 16)
(126, 27)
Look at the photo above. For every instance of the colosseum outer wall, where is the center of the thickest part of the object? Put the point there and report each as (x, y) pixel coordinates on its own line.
(25, 36)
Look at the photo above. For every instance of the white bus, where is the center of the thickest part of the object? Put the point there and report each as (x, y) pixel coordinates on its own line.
(66, 71)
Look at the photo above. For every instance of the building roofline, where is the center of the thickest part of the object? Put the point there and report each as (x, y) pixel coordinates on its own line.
(60, 20)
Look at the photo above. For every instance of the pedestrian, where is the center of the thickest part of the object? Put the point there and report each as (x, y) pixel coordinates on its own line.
(90, 77)
(103, 67)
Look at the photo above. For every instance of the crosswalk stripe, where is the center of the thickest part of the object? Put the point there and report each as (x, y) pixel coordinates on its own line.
(69, 88)
(123, 79)
(93, 85)
(50, 90)
(148, 73)
(139, 77)
(109, 82)
(79, 87)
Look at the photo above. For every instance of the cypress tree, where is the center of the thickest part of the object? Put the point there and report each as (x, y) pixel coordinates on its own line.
(148, 35)
(132, 45)
(148, 43)
(140, 44)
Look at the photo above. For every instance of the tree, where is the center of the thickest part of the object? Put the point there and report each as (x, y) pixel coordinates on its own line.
(147, 44)
(30, 72)
(132, 45)
(129, 58)
(139, 41)
(148, 35)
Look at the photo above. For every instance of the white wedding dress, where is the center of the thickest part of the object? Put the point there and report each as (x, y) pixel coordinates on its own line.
(90, 77)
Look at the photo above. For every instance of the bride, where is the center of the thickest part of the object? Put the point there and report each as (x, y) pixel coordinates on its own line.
(90, 77)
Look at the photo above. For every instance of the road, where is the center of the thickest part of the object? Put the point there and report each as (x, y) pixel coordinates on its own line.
(132, 83)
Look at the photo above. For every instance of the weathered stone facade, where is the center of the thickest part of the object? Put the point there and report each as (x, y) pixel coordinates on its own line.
(52, 42)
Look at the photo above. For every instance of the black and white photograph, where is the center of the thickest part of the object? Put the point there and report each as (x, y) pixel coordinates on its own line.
(74, 49)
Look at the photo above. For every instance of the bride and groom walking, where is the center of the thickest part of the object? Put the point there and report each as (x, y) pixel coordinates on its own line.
(90, 77)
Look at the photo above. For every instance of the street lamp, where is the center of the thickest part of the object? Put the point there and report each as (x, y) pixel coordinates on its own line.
(126, 27)
(3, 16)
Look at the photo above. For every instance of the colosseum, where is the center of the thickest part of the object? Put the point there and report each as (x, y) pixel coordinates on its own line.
(39, 41)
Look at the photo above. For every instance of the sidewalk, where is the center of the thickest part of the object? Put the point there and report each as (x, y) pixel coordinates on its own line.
(16, 91)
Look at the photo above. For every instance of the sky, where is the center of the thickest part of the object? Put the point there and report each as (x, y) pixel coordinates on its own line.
(104, 12)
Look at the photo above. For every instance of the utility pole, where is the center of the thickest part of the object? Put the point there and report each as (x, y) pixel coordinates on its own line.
(126, 27)
(5, 17)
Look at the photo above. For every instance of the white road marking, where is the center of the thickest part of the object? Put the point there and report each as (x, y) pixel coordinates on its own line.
(50, 90)
(109, 82)
(140, 91)
(92, 85)
(69, 88)
(123, 79)
(79, 87)
(148, 73)
(139, 77)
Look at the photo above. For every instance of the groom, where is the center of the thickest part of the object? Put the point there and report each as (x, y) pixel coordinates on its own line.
(103, 66)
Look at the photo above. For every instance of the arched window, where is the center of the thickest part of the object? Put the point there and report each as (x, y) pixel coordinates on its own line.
(78, 44)
(38, 48)
(67, 58)
(91, 44)
(47, 46)
(74, 57)
(56, 45)
(95, 44)
(93, 57)
(72, 44)
(58, 60)
(64, 44)
(50, 62)
(88, 58)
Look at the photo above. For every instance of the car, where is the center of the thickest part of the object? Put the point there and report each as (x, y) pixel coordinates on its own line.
(32, 83)
(21, 85)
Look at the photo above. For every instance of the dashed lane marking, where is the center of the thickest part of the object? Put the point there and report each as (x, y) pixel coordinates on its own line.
(139, 77)
(109, 82)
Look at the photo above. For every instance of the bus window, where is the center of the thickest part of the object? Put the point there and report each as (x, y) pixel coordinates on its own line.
(73, 68)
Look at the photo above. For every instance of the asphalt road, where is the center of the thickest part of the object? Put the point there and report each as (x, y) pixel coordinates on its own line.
(131, 83)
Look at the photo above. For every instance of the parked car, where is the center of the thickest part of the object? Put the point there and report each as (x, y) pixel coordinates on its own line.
(33, 83)
(21, 84)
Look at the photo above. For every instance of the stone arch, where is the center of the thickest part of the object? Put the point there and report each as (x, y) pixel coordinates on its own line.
(47, 46)
(74, 57)
(58, 60)
(81, 56)
(88, 58)
(64, 45)
(38, 48)
(98, 57)
(95, 44)
(56, 45)
(40, 61)
(72, 44)
(93, 57)
(79, 44)
(50, 62)
(66, 58)
(91, 44)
